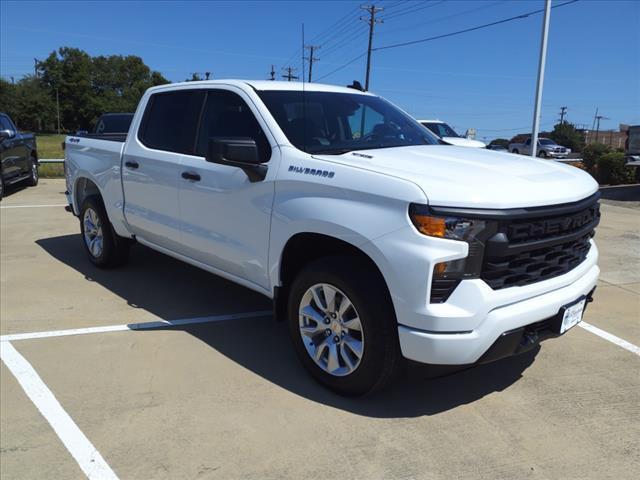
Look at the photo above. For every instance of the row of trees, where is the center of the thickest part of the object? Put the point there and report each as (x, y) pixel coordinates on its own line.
(82, 85)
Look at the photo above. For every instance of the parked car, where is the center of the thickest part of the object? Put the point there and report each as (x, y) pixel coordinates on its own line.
(449, 135)
(376, 242)
(19, 155)
(110, 124)
(497, 148)
(632, 146)
(547, 148)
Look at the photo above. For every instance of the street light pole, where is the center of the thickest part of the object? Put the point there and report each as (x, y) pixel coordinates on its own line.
(58, 109)
(541, 64)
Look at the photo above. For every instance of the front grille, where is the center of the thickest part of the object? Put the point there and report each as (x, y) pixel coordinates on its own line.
(523, 252)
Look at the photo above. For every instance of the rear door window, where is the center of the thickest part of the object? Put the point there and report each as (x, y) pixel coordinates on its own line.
(170, 121)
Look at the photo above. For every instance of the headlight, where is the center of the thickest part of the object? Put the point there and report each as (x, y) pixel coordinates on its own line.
(447, 275)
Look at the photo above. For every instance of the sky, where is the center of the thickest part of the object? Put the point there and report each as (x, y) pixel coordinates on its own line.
(483, 79)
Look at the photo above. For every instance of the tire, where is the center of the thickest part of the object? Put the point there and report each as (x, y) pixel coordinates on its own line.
(542, 154)
(515, 150)
(32, 181)
(103, 246)
(355, 280)
(1, 187)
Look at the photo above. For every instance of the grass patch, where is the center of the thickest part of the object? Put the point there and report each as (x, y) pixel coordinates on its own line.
(50, 146)
(51, 170)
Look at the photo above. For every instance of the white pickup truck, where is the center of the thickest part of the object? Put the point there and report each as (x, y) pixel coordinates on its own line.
(547, 148)
(376, 242)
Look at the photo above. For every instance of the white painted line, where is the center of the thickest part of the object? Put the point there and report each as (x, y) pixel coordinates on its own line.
(133, 326)
(79, 446)
(34, 206)
(611, 338)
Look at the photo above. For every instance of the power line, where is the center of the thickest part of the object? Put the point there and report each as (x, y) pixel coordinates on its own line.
(440, 19)
(335, 48)
(342, 66)
(413, 9)
(471, 29)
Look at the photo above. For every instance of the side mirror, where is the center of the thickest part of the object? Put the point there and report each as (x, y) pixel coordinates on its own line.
(6, 134)
(240, 152)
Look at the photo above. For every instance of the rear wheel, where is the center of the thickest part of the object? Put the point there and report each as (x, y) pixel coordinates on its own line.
(343, 326)
(105, 248)
(32, 181)
(515, 150)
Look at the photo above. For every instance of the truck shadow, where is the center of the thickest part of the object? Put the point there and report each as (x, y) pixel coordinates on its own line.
(174, 290)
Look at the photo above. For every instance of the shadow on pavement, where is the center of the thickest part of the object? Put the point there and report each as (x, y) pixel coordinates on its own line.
(173, 290)
(163, 286)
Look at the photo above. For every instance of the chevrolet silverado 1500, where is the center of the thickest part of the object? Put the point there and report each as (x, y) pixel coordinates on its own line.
(376, 242)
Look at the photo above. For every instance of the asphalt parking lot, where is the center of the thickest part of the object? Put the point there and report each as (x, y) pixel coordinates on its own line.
(226, 398)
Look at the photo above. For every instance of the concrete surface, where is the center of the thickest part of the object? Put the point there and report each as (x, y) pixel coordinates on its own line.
(229, 399)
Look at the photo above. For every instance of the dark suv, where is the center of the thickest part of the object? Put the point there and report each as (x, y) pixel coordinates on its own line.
(19, 155)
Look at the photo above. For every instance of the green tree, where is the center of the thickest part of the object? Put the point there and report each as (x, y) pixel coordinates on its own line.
(565, 134)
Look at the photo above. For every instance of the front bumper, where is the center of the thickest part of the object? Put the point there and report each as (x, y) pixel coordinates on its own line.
(468, 347)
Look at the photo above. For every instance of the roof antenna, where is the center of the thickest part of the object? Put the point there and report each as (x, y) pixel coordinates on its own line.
(356, 85)
(304, 99)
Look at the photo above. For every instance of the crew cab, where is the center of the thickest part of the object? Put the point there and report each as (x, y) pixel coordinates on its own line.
(376, 242)
(547, 148)
(19, 155)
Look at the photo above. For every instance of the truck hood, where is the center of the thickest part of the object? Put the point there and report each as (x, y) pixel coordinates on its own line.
(480, 178)
(464, 142)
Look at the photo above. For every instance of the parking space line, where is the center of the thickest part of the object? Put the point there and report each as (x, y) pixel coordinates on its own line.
(133, 326)
(78, 445)
(611, 338)
(33, 206)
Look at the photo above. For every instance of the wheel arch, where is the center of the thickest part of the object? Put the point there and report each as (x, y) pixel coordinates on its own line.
(305, 247)
(83, 188)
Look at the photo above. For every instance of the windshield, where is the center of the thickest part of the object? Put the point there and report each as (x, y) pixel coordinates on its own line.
(336, 123)
(441, 129)
(546, 141)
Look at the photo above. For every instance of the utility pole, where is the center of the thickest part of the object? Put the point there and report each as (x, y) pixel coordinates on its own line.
(563, 110)
(311, 58)
(371, 10)
(207, 75)
(289, 75)
(541, 64)
(58, 109)
(597, 119)
(272, 73)
(35, 67)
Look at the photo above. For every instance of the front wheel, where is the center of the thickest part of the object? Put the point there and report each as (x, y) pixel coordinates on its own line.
(542, 154)
(343, 326)
(105, 248)
(515, 150)
(32, 181)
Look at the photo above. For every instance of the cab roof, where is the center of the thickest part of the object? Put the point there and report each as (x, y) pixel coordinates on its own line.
(263, 85)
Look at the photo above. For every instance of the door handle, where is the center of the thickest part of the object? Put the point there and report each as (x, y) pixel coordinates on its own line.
(191, 176)
(130, 164)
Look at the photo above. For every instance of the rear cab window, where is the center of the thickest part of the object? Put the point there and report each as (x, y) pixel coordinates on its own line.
(170, 121)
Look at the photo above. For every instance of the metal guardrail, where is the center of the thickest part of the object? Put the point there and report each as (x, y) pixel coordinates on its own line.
(51, 160)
